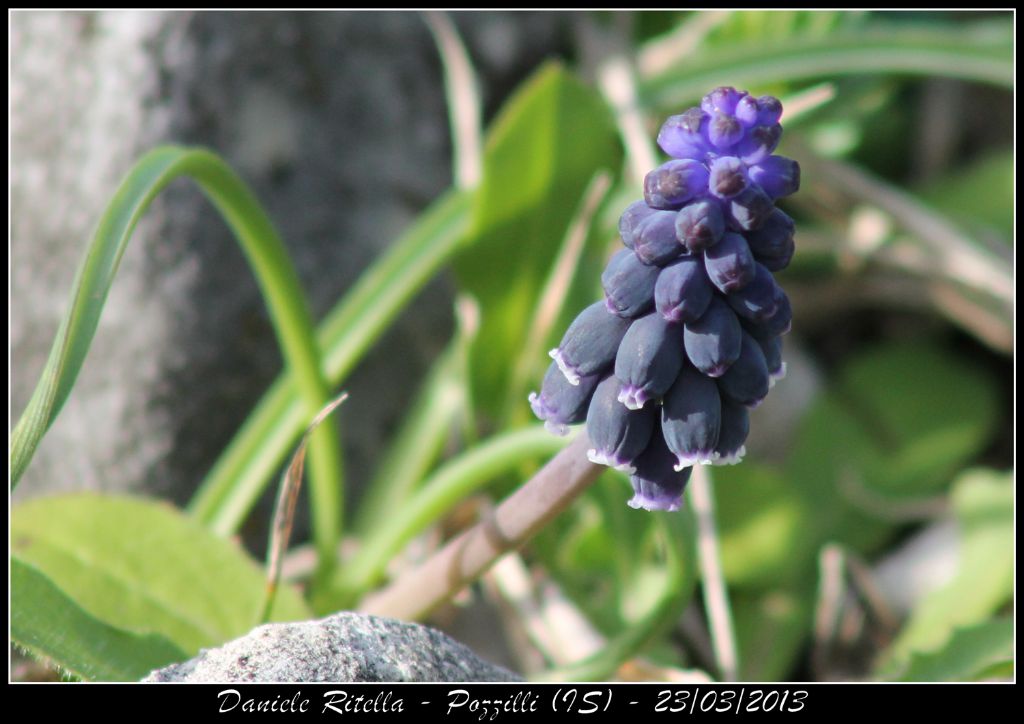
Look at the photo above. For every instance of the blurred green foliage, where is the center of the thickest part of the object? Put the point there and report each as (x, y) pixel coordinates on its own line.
(901, 426)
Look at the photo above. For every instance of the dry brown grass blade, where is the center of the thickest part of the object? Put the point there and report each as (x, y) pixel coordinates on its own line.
(284, 509)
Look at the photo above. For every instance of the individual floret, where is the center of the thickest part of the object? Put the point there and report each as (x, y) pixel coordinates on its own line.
(732, 434)
(590, 344)
(713, 342)
(700, 225)
(628, 284)
(618, 434)
(656, 483)
(561, 404)
(691, 417)
(746, 381)
(648, 361)
(674, 183)
(682, 291)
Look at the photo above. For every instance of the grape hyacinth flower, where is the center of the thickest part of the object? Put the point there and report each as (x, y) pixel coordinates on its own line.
(688, 337)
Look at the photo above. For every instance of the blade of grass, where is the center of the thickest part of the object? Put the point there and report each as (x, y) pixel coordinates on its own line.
(447, 486)
(278, 283)
(463, 100)
(246, 466)
(980, 54)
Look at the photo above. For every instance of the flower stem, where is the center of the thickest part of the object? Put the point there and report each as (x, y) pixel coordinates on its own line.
(716, 597)
(463, 559)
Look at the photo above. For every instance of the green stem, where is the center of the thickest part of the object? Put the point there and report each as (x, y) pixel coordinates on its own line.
(282, 290)
(247, 465)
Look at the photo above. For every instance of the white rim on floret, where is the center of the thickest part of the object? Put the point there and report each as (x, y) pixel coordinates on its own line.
(544, 413)
(637, 502)
(731, 458)
(634, 398)
(779, 374)
(602, 459)
(570, 375)
(556, 428)
(688, 461)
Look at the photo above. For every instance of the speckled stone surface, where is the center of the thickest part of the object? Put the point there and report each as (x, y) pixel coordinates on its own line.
(337, 121)
(342, 647)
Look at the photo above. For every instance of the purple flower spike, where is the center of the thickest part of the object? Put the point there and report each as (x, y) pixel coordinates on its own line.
(669, 388)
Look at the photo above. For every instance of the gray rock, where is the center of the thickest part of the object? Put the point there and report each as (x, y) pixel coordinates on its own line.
(342, 647)
(336, 120)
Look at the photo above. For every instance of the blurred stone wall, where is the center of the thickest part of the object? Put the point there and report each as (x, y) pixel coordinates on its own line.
(338, 122)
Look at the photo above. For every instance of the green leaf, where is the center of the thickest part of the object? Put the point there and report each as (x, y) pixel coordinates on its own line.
(763, 526)
(543, 150)
(983, 503)
(895, 426)
(830, 451)
(51, 626)
(145, 567)
(925, 412)
(771, 629)
(972, 653)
